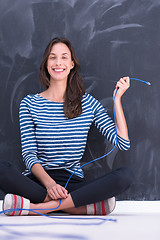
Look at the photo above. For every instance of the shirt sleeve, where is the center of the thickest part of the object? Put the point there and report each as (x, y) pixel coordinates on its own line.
(107, 127)
(28, 139)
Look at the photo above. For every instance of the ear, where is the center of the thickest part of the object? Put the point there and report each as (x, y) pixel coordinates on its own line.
(72, 65)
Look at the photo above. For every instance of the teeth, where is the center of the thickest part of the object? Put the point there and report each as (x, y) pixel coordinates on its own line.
(58, 70)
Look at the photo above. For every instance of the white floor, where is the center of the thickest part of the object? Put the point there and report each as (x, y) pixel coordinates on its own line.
(131, 220)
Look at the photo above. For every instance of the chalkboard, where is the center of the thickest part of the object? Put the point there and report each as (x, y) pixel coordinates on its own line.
(112, 38)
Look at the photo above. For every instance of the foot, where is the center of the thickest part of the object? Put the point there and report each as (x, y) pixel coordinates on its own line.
(14, 205)
(102, 208)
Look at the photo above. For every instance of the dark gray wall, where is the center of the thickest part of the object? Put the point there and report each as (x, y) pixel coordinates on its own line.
(112, 38)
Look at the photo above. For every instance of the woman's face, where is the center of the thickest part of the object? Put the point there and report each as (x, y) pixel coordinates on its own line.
(59, 62)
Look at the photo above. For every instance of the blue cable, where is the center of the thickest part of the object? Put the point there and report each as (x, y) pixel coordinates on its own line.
(136, 79)
(50, 209)
(101, 220)
(148, 83)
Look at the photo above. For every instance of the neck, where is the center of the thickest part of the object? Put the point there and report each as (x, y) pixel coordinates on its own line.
(56, 91)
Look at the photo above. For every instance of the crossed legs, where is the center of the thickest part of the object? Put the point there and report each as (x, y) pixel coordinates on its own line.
(87, 193)
(67, 205)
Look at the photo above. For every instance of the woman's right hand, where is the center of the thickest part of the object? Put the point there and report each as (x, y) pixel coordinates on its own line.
(56, 191)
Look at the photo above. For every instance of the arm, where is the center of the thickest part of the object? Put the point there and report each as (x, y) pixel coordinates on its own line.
(28, 139)
(29, 152)
(54, 190)
(106, 125)
(122, 85)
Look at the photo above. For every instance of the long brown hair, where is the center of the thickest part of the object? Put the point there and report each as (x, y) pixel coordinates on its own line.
(72, 106)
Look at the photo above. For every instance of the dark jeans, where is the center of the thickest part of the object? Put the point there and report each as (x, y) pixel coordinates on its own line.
(82, 192)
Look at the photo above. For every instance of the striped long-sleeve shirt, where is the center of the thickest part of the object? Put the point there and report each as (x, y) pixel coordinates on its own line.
(55, 142)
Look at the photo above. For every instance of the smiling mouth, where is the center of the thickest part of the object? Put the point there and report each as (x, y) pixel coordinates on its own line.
(59, 69)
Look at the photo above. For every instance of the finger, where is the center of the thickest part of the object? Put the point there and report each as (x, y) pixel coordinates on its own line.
(121, 85)
(127, 79)
(61, 193)
(65, 192)
(52, 195)
(123, 81)
(57, 193)
(54, 192)
(63, 189)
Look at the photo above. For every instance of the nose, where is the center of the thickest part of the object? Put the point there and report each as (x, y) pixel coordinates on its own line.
(58, 62)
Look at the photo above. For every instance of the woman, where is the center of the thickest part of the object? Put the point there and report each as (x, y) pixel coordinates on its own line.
(54, 127)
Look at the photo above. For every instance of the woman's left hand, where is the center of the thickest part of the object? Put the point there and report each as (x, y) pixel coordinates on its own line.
(123, 84)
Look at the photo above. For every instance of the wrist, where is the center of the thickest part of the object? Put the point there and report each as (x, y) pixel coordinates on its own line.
(50, 183)
(117, 100)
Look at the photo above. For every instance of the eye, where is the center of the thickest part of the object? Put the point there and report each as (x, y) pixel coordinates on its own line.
(51, 57)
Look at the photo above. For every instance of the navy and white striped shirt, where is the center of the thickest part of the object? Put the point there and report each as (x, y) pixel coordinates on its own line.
(55, 142)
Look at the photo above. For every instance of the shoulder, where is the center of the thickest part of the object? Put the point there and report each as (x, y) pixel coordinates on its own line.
(92, 101)
(89, 98)
(29, 102)
(29, 99)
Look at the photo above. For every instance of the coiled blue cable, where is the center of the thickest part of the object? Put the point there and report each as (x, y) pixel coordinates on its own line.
(148, 83)
(100, 220)
(50, 209)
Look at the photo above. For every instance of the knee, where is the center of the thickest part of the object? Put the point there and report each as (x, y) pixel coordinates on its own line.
(125, 177)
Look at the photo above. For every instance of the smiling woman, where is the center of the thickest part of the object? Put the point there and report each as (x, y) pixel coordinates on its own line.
(59, 74)
(54, 129)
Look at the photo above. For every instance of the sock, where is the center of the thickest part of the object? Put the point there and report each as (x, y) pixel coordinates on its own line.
(104, 207)
(12, 201)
